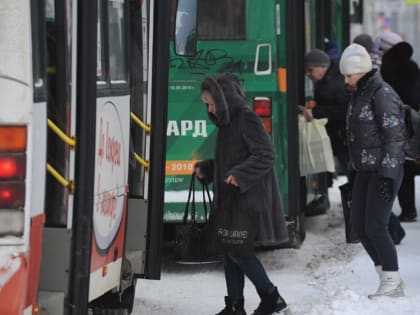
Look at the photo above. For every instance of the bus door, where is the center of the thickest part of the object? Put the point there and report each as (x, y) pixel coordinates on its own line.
(112, 121)
(148, 38)
(88, 145)
(131, 101)
(324, 19)
(60, 56)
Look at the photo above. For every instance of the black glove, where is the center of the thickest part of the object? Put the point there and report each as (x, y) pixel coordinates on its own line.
(385, 188)
(206, 171)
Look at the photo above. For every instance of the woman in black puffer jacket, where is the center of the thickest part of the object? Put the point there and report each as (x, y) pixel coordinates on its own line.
(376, 137)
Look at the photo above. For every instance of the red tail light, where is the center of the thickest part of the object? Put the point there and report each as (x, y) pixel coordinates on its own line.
(12, 194)
(13, 142)
(12, 166)
(263, 108)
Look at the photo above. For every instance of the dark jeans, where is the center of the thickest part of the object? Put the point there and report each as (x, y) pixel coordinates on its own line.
(370, 217)
(406, 195)
(236, 267)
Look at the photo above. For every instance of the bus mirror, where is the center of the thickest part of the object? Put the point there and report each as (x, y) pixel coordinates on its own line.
(186, 28)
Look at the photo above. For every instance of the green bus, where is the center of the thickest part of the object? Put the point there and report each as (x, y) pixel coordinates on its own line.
(263, 43)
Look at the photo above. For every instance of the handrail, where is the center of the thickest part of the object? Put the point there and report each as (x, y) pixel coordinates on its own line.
(71, 141)
(66, 183)
(139, 122)
(145, 163)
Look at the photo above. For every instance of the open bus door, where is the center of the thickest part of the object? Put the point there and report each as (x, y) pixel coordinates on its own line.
(107, 74)
(324, 20)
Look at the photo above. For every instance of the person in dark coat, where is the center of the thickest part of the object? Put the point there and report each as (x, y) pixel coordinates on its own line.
(331, 99)
(403, 74)
(376, 138)
(383, 42)
(244, 164)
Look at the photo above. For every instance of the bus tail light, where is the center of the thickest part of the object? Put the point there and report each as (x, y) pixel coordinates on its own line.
(263, 108)
(12, 166)
(13, 142)
(12, 194)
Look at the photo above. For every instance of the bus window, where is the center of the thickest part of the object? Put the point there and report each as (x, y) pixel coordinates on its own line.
(228, 22)
(186, 28)
(116, 29)
(100, 57)
(225, 23)
(38, 33)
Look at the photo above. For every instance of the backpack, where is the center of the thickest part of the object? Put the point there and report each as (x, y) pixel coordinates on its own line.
(412, 123)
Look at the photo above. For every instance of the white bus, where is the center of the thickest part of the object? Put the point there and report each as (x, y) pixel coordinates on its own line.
(83, 87)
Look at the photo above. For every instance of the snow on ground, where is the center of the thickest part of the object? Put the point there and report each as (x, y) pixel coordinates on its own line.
(325, 276)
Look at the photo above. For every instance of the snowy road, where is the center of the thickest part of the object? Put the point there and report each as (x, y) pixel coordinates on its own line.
(325, 276)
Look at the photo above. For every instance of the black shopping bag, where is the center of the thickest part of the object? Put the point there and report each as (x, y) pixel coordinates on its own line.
(351, 236)
(235, 227)
(193, 244)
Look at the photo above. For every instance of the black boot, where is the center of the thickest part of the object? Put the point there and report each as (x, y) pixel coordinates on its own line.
(233, 307)
(238, 306)
(408, 216)
(270, 303)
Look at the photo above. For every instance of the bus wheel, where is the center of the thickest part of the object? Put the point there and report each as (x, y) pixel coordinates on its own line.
(102, 311)
(114, 303)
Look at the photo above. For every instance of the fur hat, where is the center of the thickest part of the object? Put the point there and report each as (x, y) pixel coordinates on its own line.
(385, 41)
(317, 58)
(364, 40)
(355, 59)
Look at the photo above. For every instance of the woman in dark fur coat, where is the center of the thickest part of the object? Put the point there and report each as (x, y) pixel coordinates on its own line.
(403, 74)
(244, 165)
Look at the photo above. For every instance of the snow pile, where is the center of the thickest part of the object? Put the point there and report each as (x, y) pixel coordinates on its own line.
(325, 276)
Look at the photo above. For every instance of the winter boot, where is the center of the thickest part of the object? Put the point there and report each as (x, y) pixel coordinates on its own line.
(233, 307)
(378, 269)
(270, 303)
(408, 217)
(238, 307)
(391, 285)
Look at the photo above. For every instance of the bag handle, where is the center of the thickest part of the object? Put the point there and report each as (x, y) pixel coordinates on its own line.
(205, 190)
(191, 200)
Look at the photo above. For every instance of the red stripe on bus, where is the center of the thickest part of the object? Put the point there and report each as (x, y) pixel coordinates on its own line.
(37, 223)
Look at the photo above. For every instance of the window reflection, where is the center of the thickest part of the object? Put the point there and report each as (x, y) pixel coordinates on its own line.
(100, 55)
(117, 62)
(225, 23)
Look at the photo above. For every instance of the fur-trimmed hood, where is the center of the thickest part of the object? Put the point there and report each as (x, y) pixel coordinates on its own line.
(228, 97)
(400, 52)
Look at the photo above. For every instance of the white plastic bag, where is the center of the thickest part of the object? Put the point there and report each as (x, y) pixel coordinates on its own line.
(316, 155)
